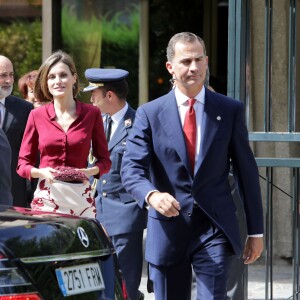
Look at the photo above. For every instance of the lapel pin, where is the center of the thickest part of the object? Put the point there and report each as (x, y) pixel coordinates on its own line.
(128, 123)
(219, 118)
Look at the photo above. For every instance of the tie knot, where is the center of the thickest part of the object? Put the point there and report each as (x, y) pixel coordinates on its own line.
(191, 102)
(109, 121)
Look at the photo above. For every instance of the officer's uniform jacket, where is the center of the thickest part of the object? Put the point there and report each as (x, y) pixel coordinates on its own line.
(116, 209)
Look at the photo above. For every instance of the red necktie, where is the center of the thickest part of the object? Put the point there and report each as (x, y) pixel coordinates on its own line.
(189, 129)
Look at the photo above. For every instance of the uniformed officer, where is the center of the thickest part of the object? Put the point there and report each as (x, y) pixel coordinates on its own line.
(123, 219)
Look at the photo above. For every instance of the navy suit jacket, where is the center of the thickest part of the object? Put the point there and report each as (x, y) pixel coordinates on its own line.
(157, 145)
(5, 178)
(116, 209)
(17, 112)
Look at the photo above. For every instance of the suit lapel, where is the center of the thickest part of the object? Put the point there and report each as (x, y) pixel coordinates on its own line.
(122, 129)
(212, 116)
(170, 120)
(9, 114)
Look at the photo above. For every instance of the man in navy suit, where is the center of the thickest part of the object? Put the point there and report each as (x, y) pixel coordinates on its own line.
(123, 219)
(192, 219)
(15, 112)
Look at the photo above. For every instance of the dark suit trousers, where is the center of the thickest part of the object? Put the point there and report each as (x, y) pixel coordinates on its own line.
(129, 250)
(209, 255)
(238, 274)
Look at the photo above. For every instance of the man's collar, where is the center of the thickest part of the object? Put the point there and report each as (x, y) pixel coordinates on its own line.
(182, 98)
(2, 101)
(118, 116)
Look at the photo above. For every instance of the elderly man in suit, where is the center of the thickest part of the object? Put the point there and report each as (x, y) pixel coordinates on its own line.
(14, 113)
(5, 178)
(187, 140)
(118, 211)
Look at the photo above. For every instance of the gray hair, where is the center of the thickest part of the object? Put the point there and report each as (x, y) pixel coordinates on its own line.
(186, 37)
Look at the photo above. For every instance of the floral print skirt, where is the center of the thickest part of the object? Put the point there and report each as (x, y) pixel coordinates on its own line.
(64, 197)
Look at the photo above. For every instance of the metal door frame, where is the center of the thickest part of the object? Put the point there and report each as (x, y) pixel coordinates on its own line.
(238, 58)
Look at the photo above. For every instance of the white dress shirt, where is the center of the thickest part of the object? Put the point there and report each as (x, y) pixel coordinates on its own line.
(117, 118)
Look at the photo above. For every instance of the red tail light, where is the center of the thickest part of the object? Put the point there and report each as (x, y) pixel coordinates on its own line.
(21, 297)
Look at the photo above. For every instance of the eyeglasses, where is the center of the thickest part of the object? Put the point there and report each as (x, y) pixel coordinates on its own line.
(6, 75)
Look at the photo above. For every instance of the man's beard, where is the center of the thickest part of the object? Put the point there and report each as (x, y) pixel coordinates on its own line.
(5, 92)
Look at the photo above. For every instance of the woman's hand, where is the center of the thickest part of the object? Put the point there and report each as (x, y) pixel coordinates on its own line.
(46, 173)
(90, 171)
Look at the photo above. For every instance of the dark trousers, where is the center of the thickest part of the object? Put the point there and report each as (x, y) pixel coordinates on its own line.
(108, 267)
(238, 273)
(129, 250)
(209, 255)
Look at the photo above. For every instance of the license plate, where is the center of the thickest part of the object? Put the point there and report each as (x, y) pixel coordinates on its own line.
(80, 279)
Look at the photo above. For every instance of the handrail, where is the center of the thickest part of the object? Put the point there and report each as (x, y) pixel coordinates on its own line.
(274, 136)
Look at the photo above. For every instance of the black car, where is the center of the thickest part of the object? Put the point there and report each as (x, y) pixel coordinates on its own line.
(51, 256)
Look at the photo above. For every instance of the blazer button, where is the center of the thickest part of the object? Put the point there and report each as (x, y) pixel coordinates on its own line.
(103, 181)
(189, 214)
(104, 194)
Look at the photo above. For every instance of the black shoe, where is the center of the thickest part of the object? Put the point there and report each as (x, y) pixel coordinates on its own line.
(141, 296)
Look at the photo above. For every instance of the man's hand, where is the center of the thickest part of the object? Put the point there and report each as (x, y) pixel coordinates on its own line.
(253, 249)
(164, 203)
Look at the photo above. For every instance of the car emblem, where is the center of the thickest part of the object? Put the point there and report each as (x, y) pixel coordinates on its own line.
(83, 237)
